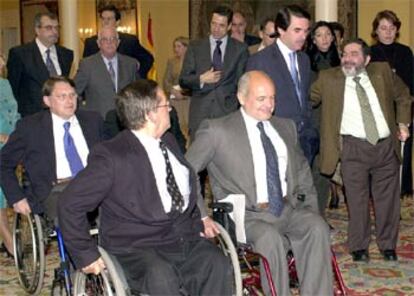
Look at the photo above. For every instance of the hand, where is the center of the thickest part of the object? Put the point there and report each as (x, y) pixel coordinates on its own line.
(210, 228)
(177, 94)
(403, 133)
(210, 76)
(95, 267)
(22, 207)
(3, 138)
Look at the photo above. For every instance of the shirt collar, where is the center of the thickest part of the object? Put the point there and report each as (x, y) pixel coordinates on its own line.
(43, 48)
(57, 120)
(283, 48)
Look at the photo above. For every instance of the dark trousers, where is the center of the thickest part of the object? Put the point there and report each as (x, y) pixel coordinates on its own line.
(186, 268)
(369, 170)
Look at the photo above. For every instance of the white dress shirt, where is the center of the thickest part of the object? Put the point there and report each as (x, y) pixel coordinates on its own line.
(259, 158)
(285, 53)
(53, 55)
(213, 44)
(181, 173)
(62, 165)
(352, 123)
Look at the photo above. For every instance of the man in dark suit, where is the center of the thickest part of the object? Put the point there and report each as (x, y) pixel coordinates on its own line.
(103, 74)
(128, 44)
(366, 110)
(149, 219)
(30, 65)
(289, 69)
(38, 143)
(211, 69)
(253, 153)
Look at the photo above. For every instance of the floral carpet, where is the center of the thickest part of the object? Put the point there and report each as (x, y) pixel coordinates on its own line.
(378, 277)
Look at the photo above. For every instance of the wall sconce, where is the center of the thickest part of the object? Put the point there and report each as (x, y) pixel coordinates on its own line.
(124, 29)
(85, 33)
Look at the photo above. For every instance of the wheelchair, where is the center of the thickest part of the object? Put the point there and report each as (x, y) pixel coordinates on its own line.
(249, 260)
(112, 280)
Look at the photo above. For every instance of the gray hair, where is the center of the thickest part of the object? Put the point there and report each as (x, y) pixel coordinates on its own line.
(135, 101)
(38, 18)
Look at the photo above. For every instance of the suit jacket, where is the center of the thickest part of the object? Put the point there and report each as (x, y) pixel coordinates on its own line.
(27, 73)
(222, 145)
(217, 99)
(119, 178)
(32, 144)
(129, 45)
(329, 89)
(94, 82)
(270, 60)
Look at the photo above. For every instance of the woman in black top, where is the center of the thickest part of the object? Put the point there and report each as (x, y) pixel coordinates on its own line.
(385, 31)
(323, 54)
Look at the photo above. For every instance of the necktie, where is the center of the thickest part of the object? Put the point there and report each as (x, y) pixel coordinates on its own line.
(217, 59)
(368, 119)
(49, 64)
(75, 162)
(112, 73)
(295, 75)
(172, 188)
(274, 187)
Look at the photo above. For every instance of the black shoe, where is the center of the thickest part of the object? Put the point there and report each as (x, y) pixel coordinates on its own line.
(360, 256)
(389, 255)
(4, 250)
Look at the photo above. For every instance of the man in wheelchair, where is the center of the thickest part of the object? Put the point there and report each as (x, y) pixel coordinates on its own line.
(149, 219)
(254, 153)
(52, 145)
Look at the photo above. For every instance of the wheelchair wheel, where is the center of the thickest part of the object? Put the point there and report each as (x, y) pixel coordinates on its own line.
(226, 245)
(110, 282)
(29, 253)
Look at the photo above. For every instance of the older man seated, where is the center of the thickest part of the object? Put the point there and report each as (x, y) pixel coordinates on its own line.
(254, 153)
(147, 195)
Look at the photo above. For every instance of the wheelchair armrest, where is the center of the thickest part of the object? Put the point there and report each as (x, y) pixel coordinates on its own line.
(223, 207)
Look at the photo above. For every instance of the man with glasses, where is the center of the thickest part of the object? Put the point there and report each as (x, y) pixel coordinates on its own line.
(31, 64)
(147, 193)
(129, 45)
(52, 145)
(103, 74)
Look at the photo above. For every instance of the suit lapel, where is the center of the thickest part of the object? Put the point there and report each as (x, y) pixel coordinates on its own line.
(285, 69)
(100, 63)
(205, 54)
(228, 55)
(63, 63)
(86, 130)
(38, 64)
(48, 143)
(379, 88)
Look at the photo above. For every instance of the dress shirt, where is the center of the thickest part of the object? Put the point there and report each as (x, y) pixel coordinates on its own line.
(352, 123)
(285, 53)
(114, 61)
(62, 165)
(157, 160)
(259, 158)
(53, 55)
(223, 45)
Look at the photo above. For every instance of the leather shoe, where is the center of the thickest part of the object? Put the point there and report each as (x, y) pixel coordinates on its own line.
(360, 256)
(389, 255)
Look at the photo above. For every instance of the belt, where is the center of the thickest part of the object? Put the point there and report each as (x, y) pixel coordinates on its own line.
(262, 205)
(60, 181)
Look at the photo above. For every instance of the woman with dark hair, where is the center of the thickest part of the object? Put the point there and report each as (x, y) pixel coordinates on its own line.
(321, 47)
(386, 30)
(323, 54)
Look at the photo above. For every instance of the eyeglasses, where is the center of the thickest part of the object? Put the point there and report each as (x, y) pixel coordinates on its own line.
(63, 97)
(50, 28)
(108, 40)
(168, 105)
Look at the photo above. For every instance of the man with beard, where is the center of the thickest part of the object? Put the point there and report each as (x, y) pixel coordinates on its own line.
(365, 114)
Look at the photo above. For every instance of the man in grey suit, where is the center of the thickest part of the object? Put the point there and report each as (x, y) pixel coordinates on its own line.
(211, 68)
(280, 196)
(289, 69)
(103, 74)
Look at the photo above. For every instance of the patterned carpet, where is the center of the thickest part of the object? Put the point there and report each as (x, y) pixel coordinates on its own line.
(377, 277)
